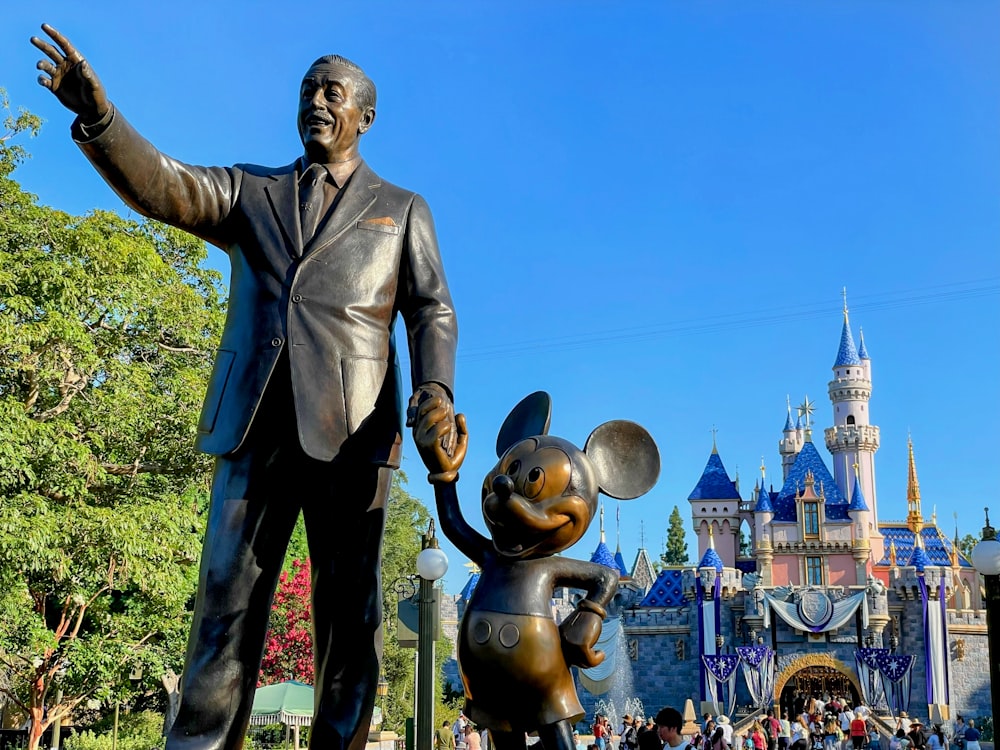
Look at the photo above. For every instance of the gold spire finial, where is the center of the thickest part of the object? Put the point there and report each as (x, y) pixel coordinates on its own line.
(762, 471)
(914, 518)
(715, 448)
(892, 553)
(711, 536)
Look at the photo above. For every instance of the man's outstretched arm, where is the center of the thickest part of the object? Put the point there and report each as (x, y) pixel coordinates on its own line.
(196, 199)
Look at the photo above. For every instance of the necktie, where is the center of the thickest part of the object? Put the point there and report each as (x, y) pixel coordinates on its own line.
(311, 197)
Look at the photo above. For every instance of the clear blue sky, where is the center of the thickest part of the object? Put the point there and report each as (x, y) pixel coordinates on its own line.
(647, 209)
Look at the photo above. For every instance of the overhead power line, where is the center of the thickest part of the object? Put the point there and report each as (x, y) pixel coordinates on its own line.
(741, 319)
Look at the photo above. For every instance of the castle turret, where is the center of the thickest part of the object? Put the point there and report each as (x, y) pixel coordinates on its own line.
(763, 514)
(853, 440)
(858, 512)
(715, 505)
(791, 441)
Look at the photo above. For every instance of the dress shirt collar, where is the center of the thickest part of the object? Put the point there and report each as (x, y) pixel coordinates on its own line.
(338, 173)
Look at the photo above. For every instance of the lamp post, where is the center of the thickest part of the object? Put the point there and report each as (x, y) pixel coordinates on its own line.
(986, 559)
(432, 564)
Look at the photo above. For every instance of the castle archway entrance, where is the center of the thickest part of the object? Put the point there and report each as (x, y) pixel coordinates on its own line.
(816, 676)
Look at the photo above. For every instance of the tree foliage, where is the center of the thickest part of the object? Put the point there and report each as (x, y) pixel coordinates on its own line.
(288, 652)
(966, 544)
(106, 333)
(676, 552)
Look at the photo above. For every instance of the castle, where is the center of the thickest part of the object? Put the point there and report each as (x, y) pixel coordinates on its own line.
(808, 570)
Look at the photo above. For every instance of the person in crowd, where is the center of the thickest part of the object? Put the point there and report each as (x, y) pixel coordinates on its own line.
(473, 740)
(444, 738)
(903, 722)
(799, 736)
(600, 733)
(629, 734)
(772, 729)
(874, 737)
(668, 727)
(936, 739)
(859, 732)
(845, 717)
(727, 729)
(971, 736)
(717, 740)
(757, 737)
(916, 735)
(785, 733)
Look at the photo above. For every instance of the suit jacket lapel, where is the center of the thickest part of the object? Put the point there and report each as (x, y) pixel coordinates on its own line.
(283, 193)
(357, 196)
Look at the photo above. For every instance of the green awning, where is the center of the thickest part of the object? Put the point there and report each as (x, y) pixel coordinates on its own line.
(285, 703)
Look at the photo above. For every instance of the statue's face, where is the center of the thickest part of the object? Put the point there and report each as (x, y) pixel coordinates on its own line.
(330, 121)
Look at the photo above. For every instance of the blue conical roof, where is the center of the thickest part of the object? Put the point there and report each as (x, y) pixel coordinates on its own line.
(764, 504)
(715, 483)
(602, 556)
(919, 559)
(711, 559)
(788, 422)
(847, 354)
(620, 564)
(862, 351)
(469, 587)
(857, 498)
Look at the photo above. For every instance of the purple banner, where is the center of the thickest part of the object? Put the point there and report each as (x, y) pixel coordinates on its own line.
(753, 655)
(721, 666)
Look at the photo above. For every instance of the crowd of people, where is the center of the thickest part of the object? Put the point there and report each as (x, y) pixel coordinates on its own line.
(815, 724)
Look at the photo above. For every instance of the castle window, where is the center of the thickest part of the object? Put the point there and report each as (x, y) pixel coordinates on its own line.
(814, 571)
(810, 519)
(850, 419)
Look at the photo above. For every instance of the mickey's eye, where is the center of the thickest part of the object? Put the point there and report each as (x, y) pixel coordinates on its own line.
(513, 469)
(534, 483)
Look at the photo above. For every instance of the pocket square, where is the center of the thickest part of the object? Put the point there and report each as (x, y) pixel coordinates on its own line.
(385, 221)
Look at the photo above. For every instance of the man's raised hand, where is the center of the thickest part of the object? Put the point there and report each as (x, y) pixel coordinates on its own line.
(70, 77)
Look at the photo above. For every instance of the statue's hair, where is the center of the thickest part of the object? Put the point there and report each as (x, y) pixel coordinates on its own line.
(364, 88)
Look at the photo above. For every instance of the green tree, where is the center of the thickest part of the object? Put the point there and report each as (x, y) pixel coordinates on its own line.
(966, 544)
(676, 552)
(106, 333)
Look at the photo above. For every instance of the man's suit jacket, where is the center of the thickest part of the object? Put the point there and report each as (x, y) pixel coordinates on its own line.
(331, 304)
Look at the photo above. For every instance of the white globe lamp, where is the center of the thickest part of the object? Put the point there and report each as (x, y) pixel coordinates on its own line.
(432, 564)
(986, 557)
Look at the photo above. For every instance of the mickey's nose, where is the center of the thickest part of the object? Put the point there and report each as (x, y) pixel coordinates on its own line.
(503, 486)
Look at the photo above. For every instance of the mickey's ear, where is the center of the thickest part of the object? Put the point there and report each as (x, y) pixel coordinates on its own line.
(528, 419)
(625, 457)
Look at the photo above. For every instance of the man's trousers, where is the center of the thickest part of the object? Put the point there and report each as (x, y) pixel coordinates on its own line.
(257, 494)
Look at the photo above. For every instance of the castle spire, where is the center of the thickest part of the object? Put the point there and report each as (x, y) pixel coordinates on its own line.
(862, 351)
(602, 522)
(914, 518)
(847, 353)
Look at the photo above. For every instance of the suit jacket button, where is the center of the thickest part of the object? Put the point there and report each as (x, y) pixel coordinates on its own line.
(275, 341)
(296, 298)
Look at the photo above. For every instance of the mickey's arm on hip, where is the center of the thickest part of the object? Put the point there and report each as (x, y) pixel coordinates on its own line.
(432, 423)
(582, 628)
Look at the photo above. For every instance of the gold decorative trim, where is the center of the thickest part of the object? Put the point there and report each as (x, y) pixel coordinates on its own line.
(814, 660)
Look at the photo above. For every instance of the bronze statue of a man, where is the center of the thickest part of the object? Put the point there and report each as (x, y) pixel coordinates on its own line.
(303, 407)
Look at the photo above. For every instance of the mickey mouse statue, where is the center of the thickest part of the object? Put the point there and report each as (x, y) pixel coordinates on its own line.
(537, 501)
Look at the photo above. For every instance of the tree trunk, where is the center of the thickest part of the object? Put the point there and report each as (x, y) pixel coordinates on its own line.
(36, 728)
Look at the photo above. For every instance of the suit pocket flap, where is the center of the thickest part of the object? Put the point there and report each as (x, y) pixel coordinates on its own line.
(377, 227)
